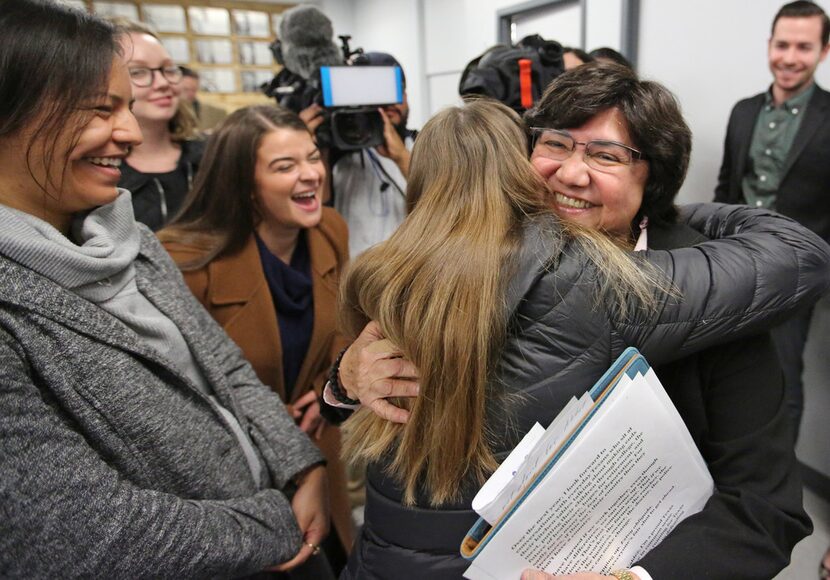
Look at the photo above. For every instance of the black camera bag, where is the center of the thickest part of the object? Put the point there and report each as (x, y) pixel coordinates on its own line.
(496, 73)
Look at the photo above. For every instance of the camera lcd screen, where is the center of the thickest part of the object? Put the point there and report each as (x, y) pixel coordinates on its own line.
(352, 86)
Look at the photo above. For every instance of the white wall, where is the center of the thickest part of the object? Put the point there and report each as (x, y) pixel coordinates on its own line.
(340, 12)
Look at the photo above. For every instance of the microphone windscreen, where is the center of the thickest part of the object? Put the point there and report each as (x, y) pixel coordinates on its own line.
(306, 36)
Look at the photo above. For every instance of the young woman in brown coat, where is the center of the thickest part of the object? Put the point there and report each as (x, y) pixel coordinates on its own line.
(262, 254)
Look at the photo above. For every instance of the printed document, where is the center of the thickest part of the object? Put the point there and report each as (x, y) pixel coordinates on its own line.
(592, 494)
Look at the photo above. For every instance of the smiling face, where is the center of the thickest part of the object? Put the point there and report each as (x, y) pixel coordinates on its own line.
(159, 101)
(93, 171)
(794, 52)
(92, 143)
(289, 176)
(605, 200)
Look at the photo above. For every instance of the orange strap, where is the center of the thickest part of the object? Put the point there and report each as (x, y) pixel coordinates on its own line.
(525, 82)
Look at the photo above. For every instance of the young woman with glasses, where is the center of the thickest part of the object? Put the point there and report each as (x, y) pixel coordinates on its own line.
(160, 171)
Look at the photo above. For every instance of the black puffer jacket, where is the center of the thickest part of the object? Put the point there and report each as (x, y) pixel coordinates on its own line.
(562, 341)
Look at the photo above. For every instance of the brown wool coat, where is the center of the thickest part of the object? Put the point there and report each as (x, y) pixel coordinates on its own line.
(235, 292)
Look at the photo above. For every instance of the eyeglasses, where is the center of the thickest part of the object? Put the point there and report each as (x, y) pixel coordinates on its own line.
(601, 155)
(142, 76)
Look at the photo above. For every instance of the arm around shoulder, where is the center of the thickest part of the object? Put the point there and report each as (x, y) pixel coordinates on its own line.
(758, 268)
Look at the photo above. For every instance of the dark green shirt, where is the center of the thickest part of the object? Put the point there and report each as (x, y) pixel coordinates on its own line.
(772, 139)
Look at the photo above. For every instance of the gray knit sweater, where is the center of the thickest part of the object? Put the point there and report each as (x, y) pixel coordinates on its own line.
(112, 463)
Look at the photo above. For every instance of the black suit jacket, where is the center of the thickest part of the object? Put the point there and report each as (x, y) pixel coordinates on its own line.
(804, 193)
(731, 398)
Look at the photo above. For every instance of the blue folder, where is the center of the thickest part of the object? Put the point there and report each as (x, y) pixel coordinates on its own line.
(629, 363)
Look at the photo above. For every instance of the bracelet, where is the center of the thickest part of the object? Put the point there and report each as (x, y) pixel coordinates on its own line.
(622, 574)
(334, 383)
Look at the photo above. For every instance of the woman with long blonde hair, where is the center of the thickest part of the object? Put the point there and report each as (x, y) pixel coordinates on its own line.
(442, 296)
(508, 312)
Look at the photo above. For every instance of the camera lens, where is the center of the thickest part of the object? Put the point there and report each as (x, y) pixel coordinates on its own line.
(357, 129)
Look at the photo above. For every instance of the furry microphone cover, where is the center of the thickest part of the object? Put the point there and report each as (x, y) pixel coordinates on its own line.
(306, 37)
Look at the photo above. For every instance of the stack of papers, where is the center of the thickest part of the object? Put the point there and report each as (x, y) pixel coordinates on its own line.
(610, 477)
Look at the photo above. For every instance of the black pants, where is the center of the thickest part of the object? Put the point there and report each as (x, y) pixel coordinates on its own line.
(790, 338)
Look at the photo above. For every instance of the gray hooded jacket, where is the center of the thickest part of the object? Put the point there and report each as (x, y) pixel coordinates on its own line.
(112, 463)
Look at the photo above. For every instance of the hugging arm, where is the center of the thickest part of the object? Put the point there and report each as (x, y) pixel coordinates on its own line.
(373, 370)
(758, 268)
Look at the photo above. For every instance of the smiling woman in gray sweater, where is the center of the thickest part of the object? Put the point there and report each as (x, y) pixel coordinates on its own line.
(135, 441)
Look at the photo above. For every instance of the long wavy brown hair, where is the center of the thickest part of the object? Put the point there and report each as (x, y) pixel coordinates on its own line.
(437, 288)
(219, 213)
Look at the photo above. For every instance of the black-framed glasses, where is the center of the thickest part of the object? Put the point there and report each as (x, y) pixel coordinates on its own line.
(601, 155)
(142, 76)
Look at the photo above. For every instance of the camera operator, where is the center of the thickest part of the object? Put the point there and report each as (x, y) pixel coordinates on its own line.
(369, 185)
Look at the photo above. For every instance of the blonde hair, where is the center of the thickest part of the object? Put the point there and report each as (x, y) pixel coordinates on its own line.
(437, 288)
(184, 126)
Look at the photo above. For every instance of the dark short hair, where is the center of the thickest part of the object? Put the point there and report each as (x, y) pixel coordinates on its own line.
(380, 59)
(221, 204)
(580, 54)
(652, 113)
(189, 72)
(52, 60)
(609, 53)
(804, 9)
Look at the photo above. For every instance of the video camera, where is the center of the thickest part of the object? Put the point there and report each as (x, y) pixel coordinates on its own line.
(349, 91)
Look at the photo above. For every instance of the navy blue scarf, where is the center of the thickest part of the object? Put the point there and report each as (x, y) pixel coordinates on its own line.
(290, 287)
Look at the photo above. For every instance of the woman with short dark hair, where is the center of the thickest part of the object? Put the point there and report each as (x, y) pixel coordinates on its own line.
(651, 118)
(730, 396)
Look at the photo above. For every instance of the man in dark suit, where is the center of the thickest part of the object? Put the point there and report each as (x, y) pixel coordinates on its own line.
(777, 154)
